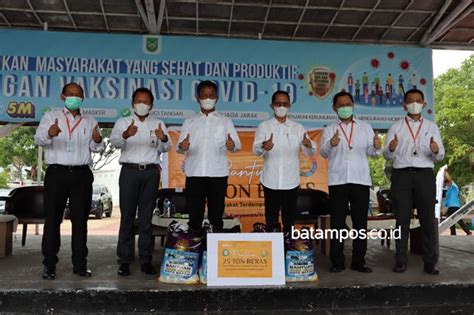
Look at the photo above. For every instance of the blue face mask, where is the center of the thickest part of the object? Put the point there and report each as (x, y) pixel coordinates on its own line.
(73, 102)
(345, 112)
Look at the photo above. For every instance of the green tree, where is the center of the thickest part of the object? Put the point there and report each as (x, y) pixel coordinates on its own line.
(377, 170)
(4, 180)
(18, 150)
(454, 105)
(108, 153)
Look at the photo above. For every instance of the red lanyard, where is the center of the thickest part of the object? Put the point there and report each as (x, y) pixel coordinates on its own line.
(69, 125)
(349, 140)
(414, 136)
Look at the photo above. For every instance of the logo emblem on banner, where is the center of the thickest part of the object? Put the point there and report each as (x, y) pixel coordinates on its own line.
(322, 81)
(151, 45)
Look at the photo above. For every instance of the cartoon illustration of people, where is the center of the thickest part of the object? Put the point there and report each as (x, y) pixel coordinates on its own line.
(366, 95)
(365, 81)
(377, 82)
(413, 81)
(373, 101)
(357, 89)
(350, 82)
(390, 83)
(401, 89)
(372, 89)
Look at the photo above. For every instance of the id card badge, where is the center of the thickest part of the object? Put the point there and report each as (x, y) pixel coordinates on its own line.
(349, 154)
(153, 139)
(415, 151)
(70, 146)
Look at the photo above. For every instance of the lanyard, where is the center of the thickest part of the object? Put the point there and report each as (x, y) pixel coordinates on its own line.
(69, 125)
(414, 136)
(349, 140)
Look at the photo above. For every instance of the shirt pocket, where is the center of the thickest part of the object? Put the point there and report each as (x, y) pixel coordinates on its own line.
(218, 135)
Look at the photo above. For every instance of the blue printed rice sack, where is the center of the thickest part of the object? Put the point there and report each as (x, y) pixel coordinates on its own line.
(299, 259)
(181, 257)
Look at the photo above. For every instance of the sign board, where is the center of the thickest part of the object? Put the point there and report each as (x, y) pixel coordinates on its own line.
(245, 259)
(34, 66)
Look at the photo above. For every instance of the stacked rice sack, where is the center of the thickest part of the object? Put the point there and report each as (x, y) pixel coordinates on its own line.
(208, 228)
(181, 257)
(299, 259)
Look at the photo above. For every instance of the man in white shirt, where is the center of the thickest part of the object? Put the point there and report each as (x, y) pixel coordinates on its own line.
(346, 144)
(141, 138)
(205, 139)
(68, 137)
(279, 140)
(415, 144)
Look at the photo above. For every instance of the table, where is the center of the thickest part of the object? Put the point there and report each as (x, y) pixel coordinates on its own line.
(165, 222)
(7, 226)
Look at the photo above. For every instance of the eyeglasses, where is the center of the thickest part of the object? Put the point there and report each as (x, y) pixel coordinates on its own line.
(279, 104)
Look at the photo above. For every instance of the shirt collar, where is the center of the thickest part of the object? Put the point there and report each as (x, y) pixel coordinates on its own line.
(214, 113)
(415, 121)
(277, 123)
(68, 113)
(339, 121)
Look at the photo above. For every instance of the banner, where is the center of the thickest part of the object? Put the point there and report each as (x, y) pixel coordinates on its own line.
(244, 198)
(35, 65)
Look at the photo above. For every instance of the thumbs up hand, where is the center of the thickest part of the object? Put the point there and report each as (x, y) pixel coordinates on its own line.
(335, 139)
(230, 144)
(268, 144)
(434, 146)
(393, 144)
(184, 145)
(96, 136)
(54, 129)
(160, 134)
(131, 130)
(377, 141)
(306, 142)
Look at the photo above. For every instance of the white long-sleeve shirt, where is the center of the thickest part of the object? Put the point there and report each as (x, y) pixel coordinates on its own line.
(57, 150)
(349, 166)
(144, 147)
(207, 153)
(403, 154)
(281, 165)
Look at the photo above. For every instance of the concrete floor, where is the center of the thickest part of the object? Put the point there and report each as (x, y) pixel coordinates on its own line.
(22, 270)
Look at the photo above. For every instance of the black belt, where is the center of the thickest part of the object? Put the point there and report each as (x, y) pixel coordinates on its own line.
(140, 167)
(70, 167)
(413, 169)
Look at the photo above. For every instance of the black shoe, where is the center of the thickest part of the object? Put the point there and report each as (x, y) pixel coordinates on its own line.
(431, 269)
(49, 273)
(82, 272)
(148, 269)
(363, 268)
(337, 268)
(124, 270)
(400, 267)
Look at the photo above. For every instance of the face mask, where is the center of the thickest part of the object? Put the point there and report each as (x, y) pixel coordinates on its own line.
(280, 111)
(414, 108)
(141, 109)
(208, 103)
(345, 112)
(72, 102)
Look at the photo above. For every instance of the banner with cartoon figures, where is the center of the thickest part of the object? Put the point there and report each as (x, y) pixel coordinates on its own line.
(244, 198)
(34, 65)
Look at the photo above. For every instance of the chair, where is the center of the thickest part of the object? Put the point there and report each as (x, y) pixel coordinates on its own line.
(26, 203)
(383, 198)
(178, 198)
(310, 204)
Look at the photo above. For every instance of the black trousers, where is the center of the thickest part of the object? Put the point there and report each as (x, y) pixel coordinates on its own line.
(138, 190)
(284, 200)
(461, 223)
(340, 196)
(200, 189)
(415, 189)
(59, 185)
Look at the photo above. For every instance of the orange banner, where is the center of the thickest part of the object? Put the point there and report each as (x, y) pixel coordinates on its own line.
(244, 199)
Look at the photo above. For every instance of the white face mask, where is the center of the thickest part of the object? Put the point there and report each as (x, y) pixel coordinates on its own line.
(141, 109)
(281, 111)
(414, 108)
(208, 103)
